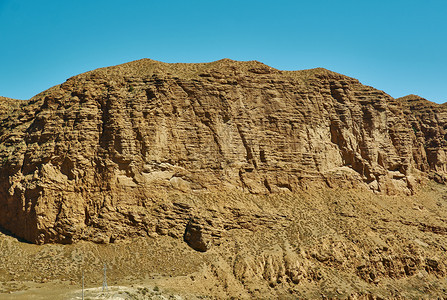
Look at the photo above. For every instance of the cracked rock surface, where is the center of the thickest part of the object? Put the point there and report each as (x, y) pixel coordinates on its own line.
(133, 150)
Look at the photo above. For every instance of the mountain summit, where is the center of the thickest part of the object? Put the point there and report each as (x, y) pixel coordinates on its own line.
(73, 156)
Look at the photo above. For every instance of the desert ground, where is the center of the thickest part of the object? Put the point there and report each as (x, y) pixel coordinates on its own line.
(331, 243)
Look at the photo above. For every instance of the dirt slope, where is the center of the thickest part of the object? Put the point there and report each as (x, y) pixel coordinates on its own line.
(331, 242)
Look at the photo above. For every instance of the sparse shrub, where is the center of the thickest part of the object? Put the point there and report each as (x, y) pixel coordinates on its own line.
(144, 291)
(415, 130)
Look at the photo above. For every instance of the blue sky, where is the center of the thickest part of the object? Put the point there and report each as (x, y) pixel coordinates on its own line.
(396, 46)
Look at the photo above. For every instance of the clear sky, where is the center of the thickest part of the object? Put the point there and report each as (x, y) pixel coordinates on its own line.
(396, 46)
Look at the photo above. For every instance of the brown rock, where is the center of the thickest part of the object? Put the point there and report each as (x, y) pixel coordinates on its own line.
(195, 236)
(102, 153)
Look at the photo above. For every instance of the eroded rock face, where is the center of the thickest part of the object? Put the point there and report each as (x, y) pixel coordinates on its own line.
(97, 157)
(429, 123)
(196, 236)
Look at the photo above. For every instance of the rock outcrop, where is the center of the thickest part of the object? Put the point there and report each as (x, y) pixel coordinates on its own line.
(429, 123)
(138, 148)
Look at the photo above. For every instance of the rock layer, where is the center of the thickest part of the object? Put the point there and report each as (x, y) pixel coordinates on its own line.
(429, 123)
(130, 150)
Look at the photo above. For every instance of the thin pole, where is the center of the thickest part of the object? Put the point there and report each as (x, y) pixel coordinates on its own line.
(82, 284)
(104, 283)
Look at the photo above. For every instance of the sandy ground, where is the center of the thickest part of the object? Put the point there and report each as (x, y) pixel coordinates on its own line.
(337, 244)
(54, 290)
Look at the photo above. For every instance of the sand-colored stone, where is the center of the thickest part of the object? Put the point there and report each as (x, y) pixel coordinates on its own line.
(127, 150)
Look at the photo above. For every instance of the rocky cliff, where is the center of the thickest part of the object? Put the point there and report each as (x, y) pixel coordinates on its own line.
(141, 148)
(429, 123)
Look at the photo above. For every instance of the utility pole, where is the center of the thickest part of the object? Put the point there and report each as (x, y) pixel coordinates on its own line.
(104, 283)
(82, 284)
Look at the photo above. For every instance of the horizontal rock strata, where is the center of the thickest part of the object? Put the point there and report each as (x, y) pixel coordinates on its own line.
(108, 153)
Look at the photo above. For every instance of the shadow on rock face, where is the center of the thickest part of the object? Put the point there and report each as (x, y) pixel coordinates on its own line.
(195, 236)
(11, 234)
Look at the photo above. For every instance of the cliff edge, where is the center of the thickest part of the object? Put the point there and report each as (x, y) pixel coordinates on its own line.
(132, 149)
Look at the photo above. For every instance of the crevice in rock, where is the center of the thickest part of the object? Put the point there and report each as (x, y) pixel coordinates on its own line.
(249, 153)
(267, 185)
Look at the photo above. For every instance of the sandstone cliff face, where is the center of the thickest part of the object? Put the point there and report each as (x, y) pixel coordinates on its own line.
(131, 149)
(429, 123)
